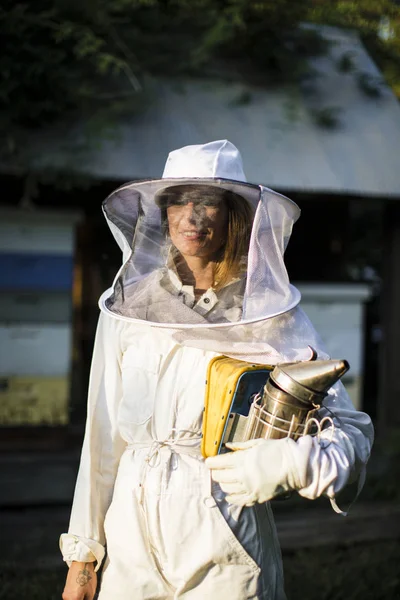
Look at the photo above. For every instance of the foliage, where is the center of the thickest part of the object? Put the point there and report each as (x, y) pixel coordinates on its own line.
(61, 55)
(378, 23)
(92, 59)
(88, 59)
(327, 117)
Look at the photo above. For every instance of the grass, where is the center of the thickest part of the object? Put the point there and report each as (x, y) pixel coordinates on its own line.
(359, 572)
(21, 584)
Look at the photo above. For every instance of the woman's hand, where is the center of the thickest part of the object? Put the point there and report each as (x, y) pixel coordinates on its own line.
(81, 582)
(259, 470)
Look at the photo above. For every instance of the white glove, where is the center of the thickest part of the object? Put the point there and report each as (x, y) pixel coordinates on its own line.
(259, 469)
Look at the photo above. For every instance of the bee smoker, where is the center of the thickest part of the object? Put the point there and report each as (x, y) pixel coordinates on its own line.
(289, 401)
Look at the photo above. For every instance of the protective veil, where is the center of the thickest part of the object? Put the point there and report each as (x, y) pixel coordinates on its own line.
(143, 488)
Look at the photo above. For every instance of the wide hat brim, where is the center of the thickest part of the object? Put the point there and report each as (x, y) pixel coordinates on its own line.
(123, 206)
(149, 188)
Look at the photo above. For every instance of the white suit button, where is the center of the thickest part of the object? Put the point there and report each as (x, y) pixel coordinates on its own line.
(209, 502)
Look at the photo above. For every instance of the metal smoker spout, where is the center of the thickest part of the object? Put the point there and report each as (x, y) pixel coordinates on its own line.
(308, 381)
(291, 398)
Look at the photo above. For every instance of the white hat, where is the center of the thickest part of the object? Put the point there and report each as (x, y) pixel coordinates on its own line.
(219, 159)
(216, 163)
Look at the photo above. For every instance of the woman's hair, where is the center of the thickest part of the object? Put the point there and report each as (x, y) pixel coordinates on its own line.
(240, 218)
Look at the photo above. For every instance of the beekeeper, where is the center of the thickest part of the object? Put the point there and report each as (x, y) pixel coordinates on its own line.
(203, 274)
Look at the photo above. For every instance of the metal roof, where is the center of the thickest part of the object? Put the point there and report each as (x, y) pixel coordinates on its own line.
(275, 129)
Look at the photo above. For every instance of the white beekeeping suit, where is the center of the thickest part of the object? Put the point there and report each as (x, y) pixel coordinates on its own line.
(143, 490)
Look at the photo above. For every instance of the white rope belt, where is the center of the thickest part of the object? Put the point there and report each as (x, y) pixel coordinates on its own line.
(184, 442)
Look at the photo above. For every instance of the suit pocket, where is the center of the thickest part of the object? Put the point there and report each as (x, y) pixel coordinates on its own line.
(139, 381)
(241, 531)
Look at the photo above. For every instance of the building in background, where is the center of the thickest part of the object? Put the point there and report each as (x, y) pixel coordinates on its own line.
(337, 311)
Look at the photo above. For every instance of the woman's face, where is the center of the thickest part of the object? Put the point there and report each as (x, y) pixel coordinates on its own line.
(198, 228)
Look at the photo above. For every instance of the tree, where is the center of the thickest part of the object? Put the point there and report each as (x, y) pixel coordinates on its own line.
(65, 60)
(378, 23)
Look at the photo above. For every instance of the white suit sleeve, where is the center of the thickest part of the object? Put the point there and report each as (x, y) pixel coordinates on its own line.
(339, 455)
(101, 452)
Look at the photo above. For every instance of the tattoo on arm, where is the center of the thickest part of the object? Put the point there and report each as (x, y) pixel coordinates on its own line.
(84, 576)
